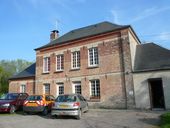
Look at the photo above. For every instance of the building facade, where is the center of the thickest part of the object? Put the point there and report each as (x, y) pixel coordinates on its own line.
(97, 61)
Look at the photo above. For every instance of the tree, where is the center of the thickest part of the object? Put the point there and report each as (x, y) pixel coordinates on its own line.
(14, 66)
(8, 69)
(3, 81)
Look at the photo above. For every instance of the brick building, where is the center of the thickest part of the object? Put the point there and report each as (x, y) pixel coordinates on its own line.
(97, 61)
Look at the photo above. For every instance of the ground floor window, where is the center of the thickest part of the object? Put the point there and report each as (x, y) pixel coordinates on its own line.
(46, 88)
(60, 88)
(23, 88)
(77, 87)
(95, 89)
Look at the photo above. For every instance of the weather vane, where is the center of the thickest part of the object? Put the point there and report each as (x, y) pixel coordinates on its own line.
(57, 24)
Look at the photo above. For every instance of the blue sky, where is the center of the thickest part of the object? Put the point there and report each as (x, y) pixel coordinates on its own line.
(26, 24)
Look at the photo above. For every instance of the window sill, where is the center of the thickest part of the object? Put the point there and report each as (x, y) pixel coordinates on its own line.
(44, 73)
(91, 67)
(75, 69)
(94, 99)
(59, 71)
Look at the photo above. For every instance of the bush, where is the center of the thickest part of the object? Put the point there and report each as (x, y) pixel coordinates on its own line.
(165, 120)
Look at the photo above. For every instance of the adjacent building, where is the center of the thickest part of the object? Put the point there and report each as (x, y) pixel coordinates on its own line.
(104, 62)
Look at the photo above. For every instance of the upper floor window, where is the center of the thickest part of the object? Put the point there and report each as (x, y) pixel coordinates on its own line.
(60, 62)
(93, 56)
(46, 64)
(23, 88)
(76, 59)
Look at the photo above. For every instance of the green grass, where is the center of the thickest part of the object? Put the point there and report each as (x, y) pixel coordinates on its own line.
(6, 114)
(165, 120)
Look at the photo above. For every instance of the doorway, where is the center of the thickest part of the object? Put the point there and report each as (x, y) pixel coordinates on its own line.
(156, 94)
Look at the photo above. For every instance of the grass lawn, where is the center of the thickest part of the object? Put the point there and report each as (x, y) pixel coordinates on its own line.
(165, 120)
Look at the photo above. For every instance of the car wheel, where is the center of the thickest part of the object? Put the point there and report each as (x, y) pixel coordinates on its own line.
(12, 109)
(45, 111)
(78, 117)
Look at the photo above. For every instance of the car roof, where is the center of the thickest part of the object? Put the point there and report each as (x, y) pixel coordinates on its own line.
(43, 95)
(70, 94)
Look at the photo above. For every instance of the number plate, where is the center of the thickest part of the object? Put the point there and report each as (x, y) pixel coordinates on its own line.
(63, 106)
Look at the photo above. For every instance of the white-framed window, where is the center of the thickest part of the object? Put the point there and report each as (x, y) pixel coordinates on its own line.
(77, 87)
(93, 56)
(76, 59)
(23, 88)
(46, 64)
(95, 88)
(46, 88)
(59, 62)
(60, 88)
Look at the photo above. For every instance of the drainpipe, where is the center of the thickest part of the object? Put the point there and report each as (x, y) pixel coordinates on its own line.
(123, 70)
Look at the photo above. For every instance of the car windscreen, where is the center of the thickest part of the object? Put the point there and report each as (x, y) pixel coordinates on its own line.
(9, 96)
(34, 98)
(66, 98)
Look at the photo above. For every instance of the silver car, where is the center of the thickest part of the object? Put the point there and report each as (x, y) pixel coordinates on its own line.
(70, 105)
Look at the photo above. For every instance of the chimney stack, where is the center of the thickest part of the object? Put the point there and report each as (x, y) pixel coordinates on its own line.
(54, 35)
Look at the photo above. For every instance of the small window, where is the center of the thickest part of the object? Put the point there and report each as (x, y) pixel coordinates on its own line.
(46, 64)
(60, 89)
(46, 88)
(77, 87)
(95, 88)
(59, 62)
(23, 88)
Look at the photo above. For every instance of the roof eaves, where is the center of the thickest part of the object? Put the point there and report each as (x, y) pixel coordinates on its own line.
(148, 70)
(25, 77)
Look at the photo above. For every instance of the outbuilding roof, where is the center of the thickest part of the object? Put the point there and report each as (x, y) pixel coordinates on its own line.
(150, 57)
(28, 72)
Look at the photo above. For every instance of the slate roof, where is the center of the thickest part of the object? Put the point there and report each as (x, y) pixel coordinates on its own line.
(28, 72)
(88, 31)
(150, 57)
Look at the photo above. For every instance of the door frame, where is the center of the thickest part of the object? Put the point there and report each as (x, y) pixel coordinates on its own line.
(150, 92)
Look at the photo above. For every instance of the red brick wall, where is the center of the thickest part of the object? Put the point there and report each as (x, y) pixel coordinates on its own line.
(109, 71)
(14, 85)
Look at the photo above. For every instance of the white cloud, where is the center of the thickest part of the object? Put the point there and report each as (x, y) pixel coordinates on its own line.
(149, 12)
(164, 36)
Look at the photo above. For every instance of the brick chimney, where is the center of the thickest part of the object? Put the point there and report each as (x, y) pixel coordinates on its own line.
(54, 35)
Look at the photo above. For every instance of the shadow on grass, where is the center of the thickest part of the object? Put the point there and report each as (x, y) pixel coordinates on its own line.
(151, 121)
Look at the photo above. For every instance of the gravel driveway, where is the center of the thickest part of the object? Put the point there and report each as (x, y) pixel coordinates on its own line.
(93, 119)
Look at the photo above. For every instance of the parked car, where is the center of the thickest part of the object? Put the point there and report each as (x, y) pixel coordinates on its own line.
(11, 102)
(38, 103)
(70, 105)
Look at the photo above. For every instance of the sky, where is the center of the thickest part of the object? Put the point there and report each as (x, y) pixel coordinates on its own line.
(26, 24)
